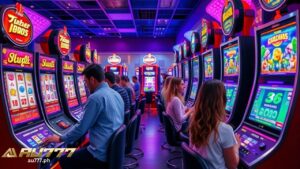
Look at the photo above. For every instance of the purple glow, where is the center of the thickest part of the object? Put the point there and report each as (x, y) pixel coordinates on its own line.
(120, 16)
(127, 30)
(215, 7)
(39, 22)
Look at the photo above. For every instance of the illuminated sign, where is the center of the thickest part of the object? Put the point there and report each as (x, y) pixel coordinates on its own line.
(277, 40)
(114, 59)
(68, 66)
(227, 19)
(204, 33)
(194, 43)
(16, 58)
(17, 25)
(88, 54)
(32, 152)
(149, 68)
(47, 63)
(64, 42)
(271, 5)
(149, 59)
(80, 68)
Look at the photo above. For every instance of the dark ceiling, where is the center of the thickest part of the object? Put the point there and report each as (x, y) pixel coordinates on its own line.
(115, 18)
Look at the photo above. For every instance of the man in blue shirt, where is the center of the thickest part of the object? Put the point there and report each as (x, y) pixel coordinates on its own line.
(103, 115)
(136, 87)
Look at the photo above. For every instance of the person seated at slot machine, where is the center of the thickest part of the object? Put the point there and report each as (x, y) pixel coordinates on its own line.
(175, 104)
(164, 90)
(111, 80)
(209, 136)
(128, 87)
(104, 114)
(136, 87)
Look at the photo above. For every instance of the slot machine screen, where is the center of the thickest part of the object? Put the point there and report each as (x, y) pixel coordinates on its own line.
(231, 61)
(231, 90)
(82, 89)
(186, 71)
(271, 106)
(69, 85)
(208, 65)
(149, 84)
(278, 49)
(49, 93)
(114, 70)
(21, 98)
(195, 78)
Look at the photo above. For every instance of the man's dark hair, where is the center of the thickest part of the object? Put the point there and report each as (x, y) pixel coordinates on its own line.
(134, 77)
(94, 70)
(110, 76)
(117, 78)
(125, 78)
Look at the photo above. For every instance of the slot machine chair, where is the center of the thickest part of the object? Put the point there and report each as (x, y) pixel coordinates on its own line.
(148, 96)
(126, 117)
(172, 139)
(139, 152)
(191, 159)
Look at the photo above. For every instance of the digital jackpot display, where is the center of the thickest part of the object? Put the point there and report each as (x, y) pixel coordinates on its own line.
(279, 49)
(82, 90)
(70, 90)
(231, 90)
(231, 60)
(20, 93)
(208, 65)
(195, 79)
(271, 106)
(49, 93)
(149, 84)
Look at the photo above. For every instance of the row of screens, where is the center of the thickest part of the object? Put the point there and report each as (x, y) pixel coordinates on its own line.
(21, 97)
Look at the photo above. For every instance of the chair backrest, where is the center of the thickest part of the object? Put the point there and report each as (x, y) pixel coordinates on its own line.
(170, 131)
(130, 134)
(132, 110)
(127, 117)
(149, 97)
(116, 149)
(142, 105)
(191, 159)
(137, 133)
(160, 112)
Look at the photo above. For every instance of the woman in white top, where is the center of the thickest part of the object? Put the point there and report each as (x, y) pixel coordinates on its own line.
(164, 89)
(175, 100)
(213, 139)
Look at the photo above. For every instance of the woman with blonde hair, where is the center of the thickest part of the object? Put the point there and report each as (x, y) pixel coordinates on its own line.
(175, 103)
(213, 139)
(164, 89)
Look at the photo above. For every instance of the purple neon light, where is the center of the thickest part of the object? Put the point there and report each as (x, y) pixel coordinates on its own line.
(215, 7)
(120, 16)
(39, 22)
(127, 30)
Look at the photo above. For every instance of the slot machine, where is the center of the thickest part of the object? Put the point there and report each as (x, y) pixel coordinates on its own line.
(237, 59)
(186, 67)
(55, 43)
(84, 57)
(150, 79)
(95, 57)
(270, 128)
(21, 118)
(210, 39)
(196, 76)
(179, 64)
(114, 66)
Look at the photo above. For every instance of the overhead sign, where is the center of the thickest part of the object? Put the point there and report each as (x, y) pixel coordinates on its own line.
(205, 32)
(149, 59)
(17, 26)
(114, 59)
(232, 17)
(88, 54)
(64, 42)
(271, 5)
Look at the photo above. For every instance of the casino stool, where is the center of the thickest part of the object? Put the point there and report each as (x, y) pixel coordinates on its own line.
(130, 138)
(139, 151)
(127, 117)
(142, 105)
(191, 159)
(132, 110)
(172, 138)
(116, 149)
(137, 103)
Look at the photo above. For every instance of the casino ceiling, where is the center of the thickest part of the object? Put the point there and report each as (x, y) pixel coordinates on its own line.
(115, 18)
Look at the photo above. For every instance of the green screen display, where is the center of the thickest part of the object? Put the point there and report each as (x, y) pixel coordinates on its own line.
(271, 106)
(230, 94)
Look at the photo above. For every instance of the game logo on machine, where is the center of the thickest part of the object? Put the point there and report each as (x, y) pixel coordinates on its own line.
(186, 49)
(232, 17)
(114, 59)
(206, 33)
(231, 59)
(278, 49)
(95, 57)
(149, 59)
(83, 53)
(47, 63)
(17, 59)
(208, 65)
(271, 5)
(195, 42)
(80, 68)
(68, 67)
(63, 42)
(16, 25)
